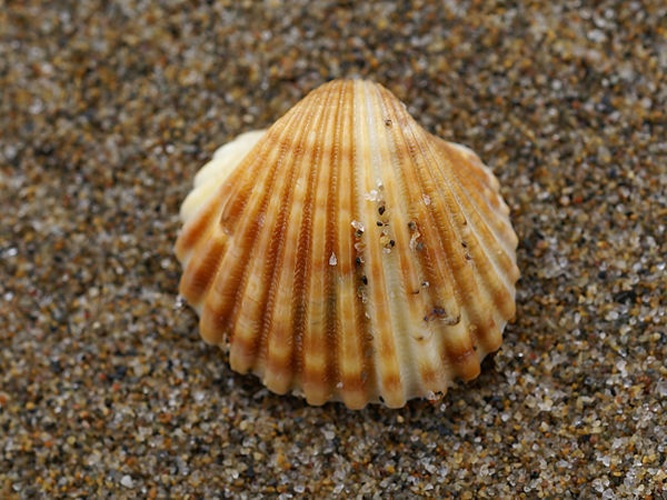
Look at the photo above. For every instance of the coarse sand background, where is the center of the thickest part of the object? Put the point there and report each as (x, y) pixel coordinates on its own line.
(107, 110)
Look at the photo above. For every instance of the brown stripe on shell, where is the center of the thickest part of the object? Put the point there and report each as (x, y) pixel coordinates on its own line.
(243, 292)
(230, 202)
(314, 357)
(304, 268)
(490, 266)
(352, 380)
(278, 347)
(478, 239)
(444, 267)
(196, 239)
(332, 328)
(476, 183)
(474, 312)
(200, 272)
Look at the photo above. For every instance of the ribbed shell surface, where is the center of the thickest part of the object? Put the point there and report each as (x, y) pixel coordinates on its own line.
(347, 254)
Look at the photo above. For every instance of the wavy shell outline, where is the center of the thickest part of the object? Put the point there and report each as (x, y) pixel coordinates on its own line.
(347, 254)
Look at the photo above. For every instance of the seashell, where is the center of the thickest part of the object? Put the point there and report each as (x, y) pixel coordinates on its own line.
(346, 254)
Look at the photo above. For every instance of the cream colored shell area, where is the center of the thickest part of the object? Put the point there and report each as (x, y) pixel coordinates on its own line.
(360, 258)
(225, 159)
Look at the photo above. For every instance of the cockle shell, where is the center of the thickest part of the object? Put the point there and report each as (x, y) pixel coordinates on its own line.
(347, 254)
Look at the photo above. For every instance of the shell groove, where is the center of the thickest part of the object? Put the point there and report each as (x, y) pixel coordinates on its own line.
(347, 254)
